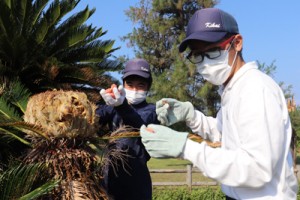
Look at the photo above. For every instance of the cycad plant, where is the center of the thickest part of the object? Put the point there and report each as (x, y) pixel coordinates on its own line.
(47, 45)
(60, 129)
(63, 126)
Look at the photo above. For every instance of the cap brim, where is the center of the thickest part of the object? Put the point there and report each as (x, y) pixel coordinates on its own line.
(203, 36)
(137, 73)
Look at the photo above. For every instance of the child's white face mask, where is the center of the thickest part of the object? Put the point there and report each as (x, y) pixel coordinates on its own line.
(135, 97)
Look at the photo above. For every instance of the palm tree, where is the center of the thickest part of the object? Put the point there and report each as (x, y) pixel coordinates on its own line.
(46, 45)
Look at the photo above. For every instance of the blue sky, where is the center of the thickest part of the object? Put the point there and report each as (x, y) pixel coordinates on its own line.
(270, 29)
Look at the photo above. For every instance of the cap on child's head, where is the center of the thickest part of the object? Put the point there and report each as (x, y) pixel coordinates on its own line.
(139, 67)
(209, 25)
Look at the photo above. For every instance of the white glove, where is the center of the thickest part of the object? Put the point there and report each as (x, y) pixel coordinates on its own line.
(119, 94)
(170, 111)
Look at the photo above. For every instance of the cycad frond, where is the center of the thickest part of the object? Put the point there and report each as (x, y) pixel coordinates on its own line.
(66, 6)
(96, 34)
(44, 189)
(12, 135)
(36, 11)
(7, 112)
(25, 127)
(19, 95)
(18, 181)
(6, 19)
(76, 19)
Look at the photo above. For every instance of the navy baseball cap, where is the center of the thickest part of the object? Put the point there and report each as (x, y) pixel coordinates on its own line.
(139, 67)
(209, 25)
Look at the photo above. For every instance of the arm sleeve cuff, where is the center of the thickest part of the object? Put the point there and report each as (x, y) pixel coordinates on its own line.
(192, 151)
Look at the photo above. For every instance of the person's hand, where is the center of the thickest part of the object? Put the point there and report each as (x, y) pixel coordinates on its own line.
(113, 96)
(163, 142)
(170, 111)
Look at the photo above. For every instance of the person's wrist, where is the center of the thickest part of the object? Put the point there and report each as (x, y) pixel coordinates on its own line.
(190, 112)
(179, 140)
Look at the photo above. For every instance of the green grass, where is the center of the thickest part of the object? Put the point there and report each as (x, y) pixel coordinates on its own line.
(172, 177)
(170, 163)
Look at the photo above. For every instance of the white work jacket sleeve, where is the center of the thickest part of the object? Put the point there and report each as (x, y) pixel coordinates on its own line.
(206, 127)
(255, 148)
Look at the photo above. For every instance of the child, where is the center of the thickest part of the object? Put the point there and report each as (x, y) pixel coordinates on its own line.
(126, 105)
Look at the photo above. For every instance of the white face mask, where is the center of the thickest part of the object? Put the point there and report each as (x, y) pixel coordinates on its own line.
(135, 97)
(216, 71)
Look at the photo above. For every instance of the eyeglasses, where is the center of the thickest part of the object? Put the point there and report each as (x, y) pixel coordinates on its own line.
(196, 57)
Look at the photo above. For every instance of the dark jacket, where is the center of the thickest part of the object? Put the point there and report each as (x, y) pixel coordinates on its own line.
(133, 182)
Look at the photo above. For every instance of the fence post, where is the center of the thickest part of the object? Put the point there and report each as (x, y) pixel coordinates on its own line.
(189, 179)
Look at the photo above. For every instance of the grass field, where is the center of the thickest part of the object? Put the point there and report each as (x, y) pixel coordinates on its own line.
(172, 177)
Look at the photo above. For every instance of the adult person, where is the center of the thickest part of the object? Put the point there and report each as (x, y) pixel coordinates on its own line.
(127, 106)
(253, 125)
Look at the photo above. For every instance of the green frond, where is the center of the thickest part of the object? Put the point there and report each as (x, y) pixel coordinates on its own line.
(36, 11)
(76, 19)
(41, 31)
(95, 35)
(12, 135)
(83, 54)
(17, 182)
(66, 6)
(53, 12)
(6, 21)
(7, 3)
(111, 65)
(20, 11)
(25, 127)
(107, 45)
(7, 112)
(44, 189)
(19, 95)
(49, 19)
(95, 52)
(76, 36)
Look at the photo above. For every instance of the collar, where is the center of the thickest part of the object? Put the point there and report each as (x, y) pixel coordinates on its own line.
(142, 104)
(248, 66)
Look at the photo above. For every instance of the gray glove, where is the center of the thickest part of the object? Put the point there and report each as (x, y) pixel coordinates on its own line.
(170, 111)
(163, 142)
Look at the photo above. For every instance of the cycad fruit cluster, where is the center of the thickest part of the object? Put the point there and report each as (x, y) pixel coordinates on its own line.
(69, 124)
(62, 114)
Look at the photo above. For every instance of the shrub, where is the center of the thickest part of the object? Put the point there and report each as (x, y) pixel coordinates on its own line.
(183, 193)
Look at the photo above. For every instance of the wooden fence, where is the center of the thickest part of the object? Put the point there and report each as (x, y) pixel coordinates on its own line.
(189, 179)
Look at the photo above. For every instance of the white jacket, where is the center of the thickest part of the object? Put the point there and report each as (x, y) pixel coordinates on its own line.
(253, 125)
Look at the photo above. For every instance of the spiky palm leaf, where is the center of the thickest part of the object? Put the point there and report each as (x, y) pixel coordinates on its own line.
(46, 51)
(20, 182)
(13, 101)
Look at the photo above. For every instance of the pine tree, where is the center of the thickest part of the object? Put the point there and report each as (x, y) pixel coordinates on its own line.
(160, 28)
